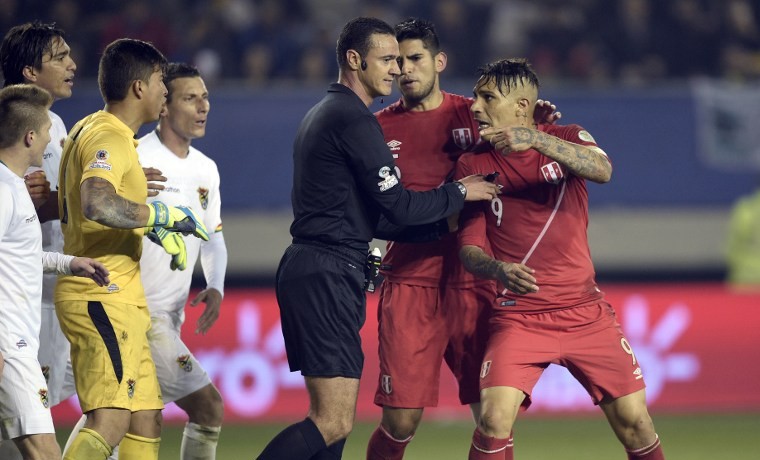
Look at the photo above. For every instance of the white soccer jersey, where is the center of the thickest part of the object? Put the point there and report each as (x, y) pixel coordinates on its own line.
(194, 182)
(20, 268)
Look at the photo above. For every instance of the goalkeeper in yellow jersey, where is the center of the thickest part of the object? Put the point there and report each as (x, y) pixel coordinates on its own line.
(103, 216)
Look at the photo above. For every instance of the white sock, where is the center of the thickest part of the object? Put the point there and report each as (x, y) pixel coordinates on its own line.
(74, 432)
(199, 442)
(9, 451)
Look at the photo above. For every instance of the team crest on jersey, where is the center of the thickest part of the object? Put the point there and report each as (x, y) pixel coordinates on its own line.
(131, 388)
(485, 369)
(185, 363)
(385, 384)
(462, 137)
(46, 372)
(43, 393)
(552, 172)
(203, 197)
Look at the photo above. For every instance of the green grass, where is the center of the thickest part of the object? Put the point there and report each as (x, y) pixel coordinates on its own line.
(684, 437)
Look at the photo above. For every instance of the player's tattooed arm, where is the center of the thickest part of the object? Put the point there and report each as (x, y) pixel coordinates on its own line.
(518, 278)
(584, 161)
(101, 203)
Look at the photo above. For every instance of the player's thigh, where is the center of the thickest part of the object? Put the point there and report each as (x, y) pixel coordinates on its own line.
(467, 321)
(520, 348)
(24, 404)
(412, 337)
(596, 352)
(179, 372)
(322, 309)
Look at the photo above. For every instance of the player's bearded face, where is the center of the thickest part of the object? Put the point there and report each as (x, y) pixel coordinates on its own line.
(418, 70)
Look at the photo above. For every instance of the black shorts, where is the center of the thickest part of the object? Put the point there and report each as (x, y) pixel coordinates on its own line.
(320, 290)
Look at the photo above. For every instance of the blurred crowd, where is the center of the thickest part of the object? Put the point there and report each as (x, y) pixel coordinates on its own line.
(263, 42)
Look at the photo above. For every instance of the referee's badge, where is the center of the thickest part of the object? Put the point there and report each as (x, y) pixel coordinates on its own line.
(385, 383)
(203, 197)
(485, 369)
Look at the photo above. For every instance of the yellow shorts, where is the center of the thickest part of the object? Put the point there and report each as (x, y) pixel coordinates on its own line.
(110, 355)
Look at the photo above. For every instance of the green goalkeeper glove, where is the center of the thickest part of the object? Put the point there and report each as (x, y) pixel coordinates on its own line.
(173, 244)
(176, 219)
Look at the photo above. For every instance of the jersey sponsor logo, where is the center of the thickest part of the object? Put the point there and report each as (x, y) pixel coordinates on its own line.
(21, 344)
(552, 172)
(485, 369)
(47, 155)
(113, 287)
(31, 219)
(385, 384)
(43, 394)
(508, 303)
(394, 145)
(185, 363)
(462, 137)
(585, 136)
(203, 197)
(130, 388)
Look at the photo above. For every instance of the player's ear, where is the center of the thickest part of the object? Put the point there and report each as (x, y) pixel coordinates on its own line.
(137, 87)
(29, 73)
(440, 61)
(354, 59)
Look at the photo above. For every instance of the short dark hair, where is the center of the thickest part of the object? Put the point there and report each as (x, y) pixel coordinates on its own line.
(178, 70)
(356, 36)
(26, 45)
(125, 61)
(419, 29)
(508, 73)
(23, 108)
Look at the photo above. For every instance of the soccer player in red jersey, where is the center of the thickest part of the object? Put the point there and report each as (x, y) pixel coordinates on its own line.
(430, 308)
(536, 230)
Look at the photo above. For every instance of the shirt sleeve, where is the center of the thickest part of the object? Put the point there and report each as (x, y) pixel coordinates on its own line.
(214, 261)
(55, 262)
(376, 172)
(472, 219)
(106, 156)
(6, 209)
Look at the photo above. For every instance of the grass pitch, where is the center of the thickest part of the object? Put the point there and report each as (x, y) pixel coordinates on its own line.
(684, 437)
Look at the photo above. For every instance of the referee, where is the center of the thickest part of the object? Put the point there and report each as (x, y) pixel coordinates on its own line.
(344, 178)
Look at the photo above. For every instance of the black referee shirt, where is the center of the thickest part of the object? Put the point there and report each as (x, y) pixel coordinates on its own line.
(344, 177)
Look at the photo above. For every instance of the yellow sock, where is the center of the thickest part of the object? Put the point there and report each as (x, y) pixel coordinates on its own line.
(133, 447)
(88, 445)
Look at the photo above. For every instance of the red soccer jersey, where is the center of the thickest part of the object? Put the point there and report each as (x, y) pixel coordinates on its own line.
(426, 146)
(540, 219)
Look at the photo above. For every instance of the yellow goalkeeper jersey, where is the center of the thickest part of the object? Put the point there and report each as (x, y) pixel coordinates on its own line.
(102, 146)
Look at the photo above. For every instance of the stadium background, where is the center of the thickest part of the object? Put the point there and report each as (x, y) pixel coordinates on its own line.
(667, 88)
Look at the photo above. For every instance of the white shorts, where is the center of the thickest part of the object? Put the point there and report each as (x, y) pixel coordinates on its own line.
(55, 357)
(24, 404)
(179, 373)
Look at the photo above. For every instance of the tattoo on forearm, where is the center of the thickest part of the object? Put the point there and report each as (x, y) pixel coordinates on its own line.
(479, 264)
(579, 159)
(106, 207)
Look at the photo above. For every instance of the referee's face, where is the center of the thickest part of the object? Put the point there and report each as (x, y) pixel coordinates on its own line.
(382, 67)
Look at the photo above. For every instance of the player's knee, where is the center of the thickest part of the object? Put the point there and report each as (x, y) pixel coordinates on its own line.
(495, 423)
(401, 427)
(206, 407)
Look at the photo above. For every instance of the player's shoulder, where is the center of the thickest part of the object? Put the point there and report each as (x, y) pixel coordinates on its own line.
(200, 157)
(571, 132)
(457, 99)
(395, 108)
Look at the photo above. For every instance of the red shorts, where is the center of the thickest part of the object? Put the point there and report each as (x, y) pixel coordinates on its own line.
(587, 341)
(421, 326)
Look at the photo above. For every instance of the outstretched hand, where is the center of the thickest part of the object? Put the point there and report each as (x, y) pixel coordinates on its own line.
(479, 189)
(89, 268)
(213, 300)
(154, 175)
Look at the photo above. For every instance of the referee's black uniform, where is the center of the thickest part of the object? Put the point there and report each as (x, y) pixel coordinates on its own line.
(344, 179)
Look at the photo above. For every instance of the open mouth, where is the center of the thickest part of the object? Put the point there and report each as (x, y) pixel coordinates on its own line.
(483, 124)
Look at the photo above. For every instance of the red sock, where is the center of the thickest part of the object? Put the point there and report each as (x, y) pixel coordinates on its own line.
(382, 446)
(487, 448)
(650, 452)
